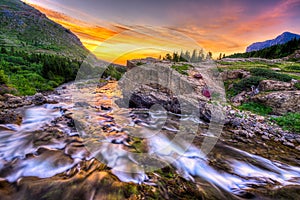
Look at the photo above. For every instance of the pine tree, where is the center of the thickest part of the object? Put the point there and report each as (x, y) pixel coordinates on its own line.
(187, 56)
(194, 56)
(3, 50)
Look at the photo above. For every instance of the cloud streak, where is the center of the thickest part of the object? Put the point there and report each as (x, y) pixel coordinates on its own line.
(222, 26)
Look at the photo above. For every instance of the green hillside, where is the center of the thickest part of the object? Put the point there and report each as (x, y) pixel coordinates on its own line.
(25, 28)
(36, 54)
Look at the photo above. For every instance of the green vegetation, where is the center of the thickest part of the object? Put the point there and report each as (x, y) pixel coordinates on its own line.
(256, 108)
(270, 74)
(273, 52)
(26, 29)
(115, 72)
(196, 56)
(247, 65)
(297, 85)
(246, 84)
(182, 69)
(294, 68)
(289, 121)
(31, 73)
(3, 77)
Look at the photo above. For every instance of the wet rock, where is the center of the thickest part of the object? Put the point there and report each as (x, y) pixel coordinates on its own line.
(14, 100)
(265, 137)
(289, 144)
(39, 99)
(10, 117)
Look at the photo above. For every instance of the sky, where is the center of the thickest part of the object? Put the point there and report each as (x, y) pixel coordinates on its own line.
(140, 28)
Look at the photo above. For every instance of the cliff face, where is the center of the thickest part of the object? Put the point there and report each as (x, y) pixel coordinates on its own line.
(26, 28)
(281, 39)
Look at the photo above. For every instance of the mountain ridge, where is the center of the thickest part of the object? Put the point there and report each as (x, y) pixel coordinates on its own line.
(281, 39)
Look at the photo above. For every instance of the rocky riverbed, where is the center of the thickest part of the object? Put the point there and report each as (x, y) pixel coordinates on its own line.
(46, 154)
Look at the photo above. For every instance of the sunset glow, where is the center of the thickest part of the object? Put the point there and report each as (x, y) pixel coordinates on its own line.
(228, 27)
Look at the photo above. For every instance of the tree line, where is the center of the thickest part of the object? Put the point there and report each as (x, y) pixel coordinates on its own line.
(187, 56)
(33, 72)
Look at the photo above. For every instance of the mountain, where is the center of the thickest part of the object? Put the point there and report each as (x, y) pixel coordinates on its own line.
(281, 39)
(289, 50)
(25, 28)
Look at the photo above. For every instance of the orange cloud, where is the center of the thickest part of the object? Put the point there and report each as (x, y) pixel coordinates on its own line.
(123, 42)
(226, 30)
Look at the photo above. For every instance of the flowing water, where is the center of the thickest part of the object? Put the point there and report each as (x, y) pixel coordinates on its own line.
(131, 144)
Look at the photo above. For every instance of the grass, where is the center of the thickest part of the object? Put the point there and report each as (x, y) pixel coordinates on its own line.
(270, 74)
(283, 66)
(256, 108)
(289, 121)
(182, 69)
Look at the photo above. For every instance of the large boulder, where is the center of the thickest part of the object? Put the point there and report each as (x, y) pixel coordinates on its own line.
(281, 102)
(271, 85)
(234, 74)
(157, 84)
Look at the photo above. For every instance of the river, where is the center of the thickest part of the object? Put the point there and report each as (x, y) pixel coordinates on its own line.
(96, 150)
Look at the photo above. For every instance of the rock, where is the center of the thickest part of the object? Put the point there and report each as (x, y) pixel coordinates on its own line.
(206, 93)
(281, 102)
(232, 112)
(234, 74)
(10, 117)
(271, 85)
(39, 99)
(276, 69)
(14, 100)
(289, 144)
(198, 76)
(265, 137)
(298, 148)
(260, 118)
(239, 99)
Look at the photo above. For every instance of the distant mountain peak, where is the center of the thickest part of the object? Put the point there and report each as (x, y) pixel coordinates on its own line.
(281, 39)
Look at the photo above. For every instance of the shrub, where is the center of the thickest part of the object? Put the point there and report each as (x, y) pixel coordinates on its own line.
(182, 69)
(246, 83)
(3, 77)
(270, 74)
(293, 68)
(114, 72)
(297, 85)
(256, 108)
(289, 121)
